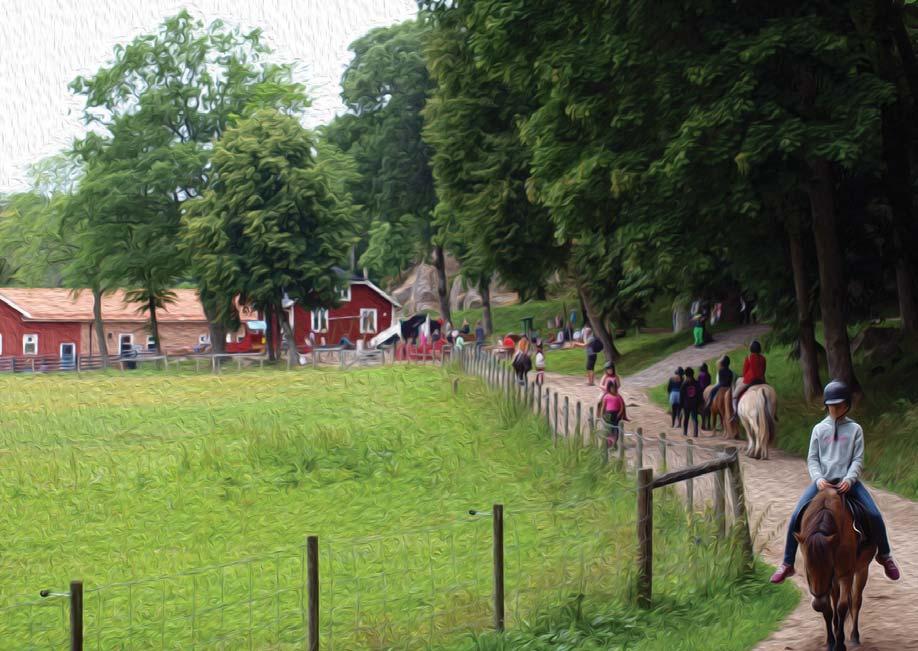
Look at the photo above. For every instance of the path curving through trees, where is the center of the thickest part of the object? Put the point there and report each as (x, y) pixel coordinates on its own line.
(889, 619)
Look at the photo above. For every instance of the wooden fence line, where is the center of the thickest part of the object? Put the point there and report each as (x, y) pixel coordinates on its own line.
(725, 468)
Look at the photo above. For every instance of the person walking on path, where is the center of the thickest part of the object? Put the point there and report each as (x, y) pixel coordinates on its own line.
(610, 377)
(689, 397)
(674, 391)
(704, 381)
(479, 336)
(540, 365)
(698, 329)
(593, 348)
(612, 407)
(836, 461)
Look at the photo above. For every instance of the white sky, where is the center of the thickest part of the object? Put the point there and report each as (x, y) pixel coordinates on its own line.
(44, 44)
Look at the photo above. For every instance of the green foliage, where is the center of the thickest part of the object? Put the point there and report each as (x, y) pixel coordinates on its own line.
(385, 88)
(274, 219)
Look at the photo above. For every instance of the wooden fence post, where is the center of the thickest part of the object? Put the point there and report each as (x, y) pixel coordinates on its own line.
(690, 483)
(312, 572)
(740, 514)
(498, 524)
(578, 430)
(645, 537)
(554, 430)
(76, 616)
(720, 507)
(539, 401)
(455, 386)
(621, 447)
(591, 427)
(639, 449)
(567, 420)
(662, 452)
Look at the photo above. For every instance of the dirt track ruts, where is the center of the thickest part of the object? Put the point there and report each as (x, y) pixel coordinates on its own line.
(889, 618)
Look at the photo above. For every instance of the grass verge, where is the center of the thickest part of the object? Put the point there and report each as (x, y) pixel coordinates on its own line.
(183, 501)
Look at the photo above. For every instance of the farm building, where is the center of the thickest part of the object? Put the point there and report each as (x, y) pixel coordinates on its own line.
(54, 322)
(363, 312)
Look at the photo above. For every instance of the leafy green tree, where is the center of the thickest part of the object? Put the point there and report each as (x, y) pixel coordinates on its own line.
(274, 220)
(162, 101)
(385, 89)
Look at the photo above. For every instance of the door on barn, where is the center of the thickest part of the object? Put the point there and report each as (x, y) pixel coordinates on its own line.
(68, 355)
(125, 344)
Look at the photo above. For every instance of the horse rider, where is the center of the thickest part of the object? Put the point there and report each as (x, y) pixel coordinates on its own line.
(753, 373)
(835, 461)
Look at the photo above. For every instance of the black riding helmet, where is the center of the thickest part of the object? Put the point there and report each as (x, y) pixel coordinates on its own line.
(755, 347)
(609, 365)
(725, 360)
(836, 392)
(680, 371)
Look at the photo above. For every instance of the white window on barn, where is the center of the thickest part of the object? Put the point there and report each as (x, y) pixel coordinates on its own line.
(1, 344)
(319, 320)
(151, 342)
(367, 321)
(29, 344)
(203, 339)
(344, 295)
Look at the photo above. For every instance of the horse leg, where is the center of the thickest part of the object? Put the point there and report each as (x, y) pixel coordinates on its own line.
(841, 612)
(827, 614)
(857, 598)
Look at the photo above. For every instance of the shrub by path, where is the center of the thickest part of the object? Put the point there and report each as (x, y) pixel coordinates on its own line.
(889, 618)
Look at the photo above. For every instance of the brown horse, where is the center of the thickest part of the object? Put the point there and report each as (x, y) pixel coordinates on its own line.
(722, 406)
(836, 569)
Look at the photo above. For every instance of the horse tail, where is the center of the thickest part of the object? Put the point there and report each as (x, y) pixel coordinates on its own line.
(768, 420)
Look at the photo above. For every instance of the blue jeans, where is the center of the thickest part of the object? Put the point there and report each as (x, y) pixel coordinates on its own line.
(859, 493)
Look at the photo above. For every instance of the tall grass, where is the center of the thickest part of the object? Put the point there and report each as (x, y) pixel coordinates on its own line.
(183, 501)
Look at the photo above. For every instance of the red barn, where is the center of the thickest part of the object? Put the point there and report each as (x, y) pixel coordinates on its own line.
(55, 323)
(364, 311)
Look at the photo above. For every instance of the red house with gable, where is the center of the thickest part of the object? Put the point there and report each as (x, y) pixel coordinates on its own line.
(363, 312)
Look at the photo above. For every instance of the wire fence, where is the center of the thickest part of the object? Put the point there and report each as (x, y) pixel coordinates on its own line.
(413, 589)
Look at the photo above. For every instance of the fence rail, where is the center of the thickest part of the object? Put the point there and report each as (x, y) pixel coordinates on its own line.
(722, 471)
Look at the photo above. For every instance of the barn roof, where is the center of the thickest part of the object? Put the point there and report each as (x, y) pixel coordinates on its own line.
(55, 304)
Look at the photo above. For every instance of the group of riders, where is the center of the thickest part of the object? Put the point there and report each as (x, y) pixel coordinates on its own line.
(836, 454)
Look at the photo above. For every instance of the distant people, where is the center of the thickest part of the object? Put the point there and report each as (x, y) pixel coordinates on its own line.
(465, 329)
(508, 342)
(698, 329)
(704, 381)
(459, 342)
(611, 377)
(689, 398)
(540, 365)
(724, 380)
(674, 391)
(522, 363)
(586, 333)
(593, 348)
(753, 373)
(613, 413)
(568, 332)
(479, 335)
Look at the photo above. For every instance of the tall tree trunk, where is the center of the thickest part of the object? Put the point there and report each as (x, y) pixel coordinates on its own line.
(99, 325)
(215, 327)
(154, 324)
(908, 302)
(809, 352)
(599, 327)
(442, 288)
(484, 288)
(293, 355)
(832, 294)
(269, 334)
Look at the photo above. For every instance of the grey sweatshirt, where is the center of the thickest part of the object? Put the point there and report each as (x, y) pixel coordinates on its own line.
(832, 459)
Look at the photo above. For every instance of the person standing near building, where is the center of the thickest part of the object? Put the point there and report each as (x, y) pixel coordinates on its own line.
(689, 397)
(593, 348)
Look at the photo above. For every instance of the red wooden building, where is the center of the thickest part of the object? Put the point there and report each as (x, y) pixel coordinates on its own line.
(55, 323)
(363, 312)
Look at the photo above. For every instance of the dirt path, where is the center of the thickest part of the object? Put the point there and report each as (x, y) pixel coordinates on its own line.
(889, 619)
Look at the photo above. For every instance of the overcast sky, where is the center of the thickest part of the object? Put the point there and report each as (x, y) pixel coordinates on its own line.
(44, 44)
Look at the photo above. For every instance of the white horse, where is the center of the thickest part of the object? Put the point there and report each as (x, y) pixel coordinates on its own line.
(757, 411)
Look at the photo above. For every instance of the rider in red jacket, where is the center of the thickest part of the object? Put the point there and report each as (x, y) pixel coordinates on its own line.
(753, 373)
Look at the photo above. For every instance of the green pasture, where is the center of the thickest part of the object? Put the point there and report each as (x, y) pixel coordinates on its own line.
(183, 502)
